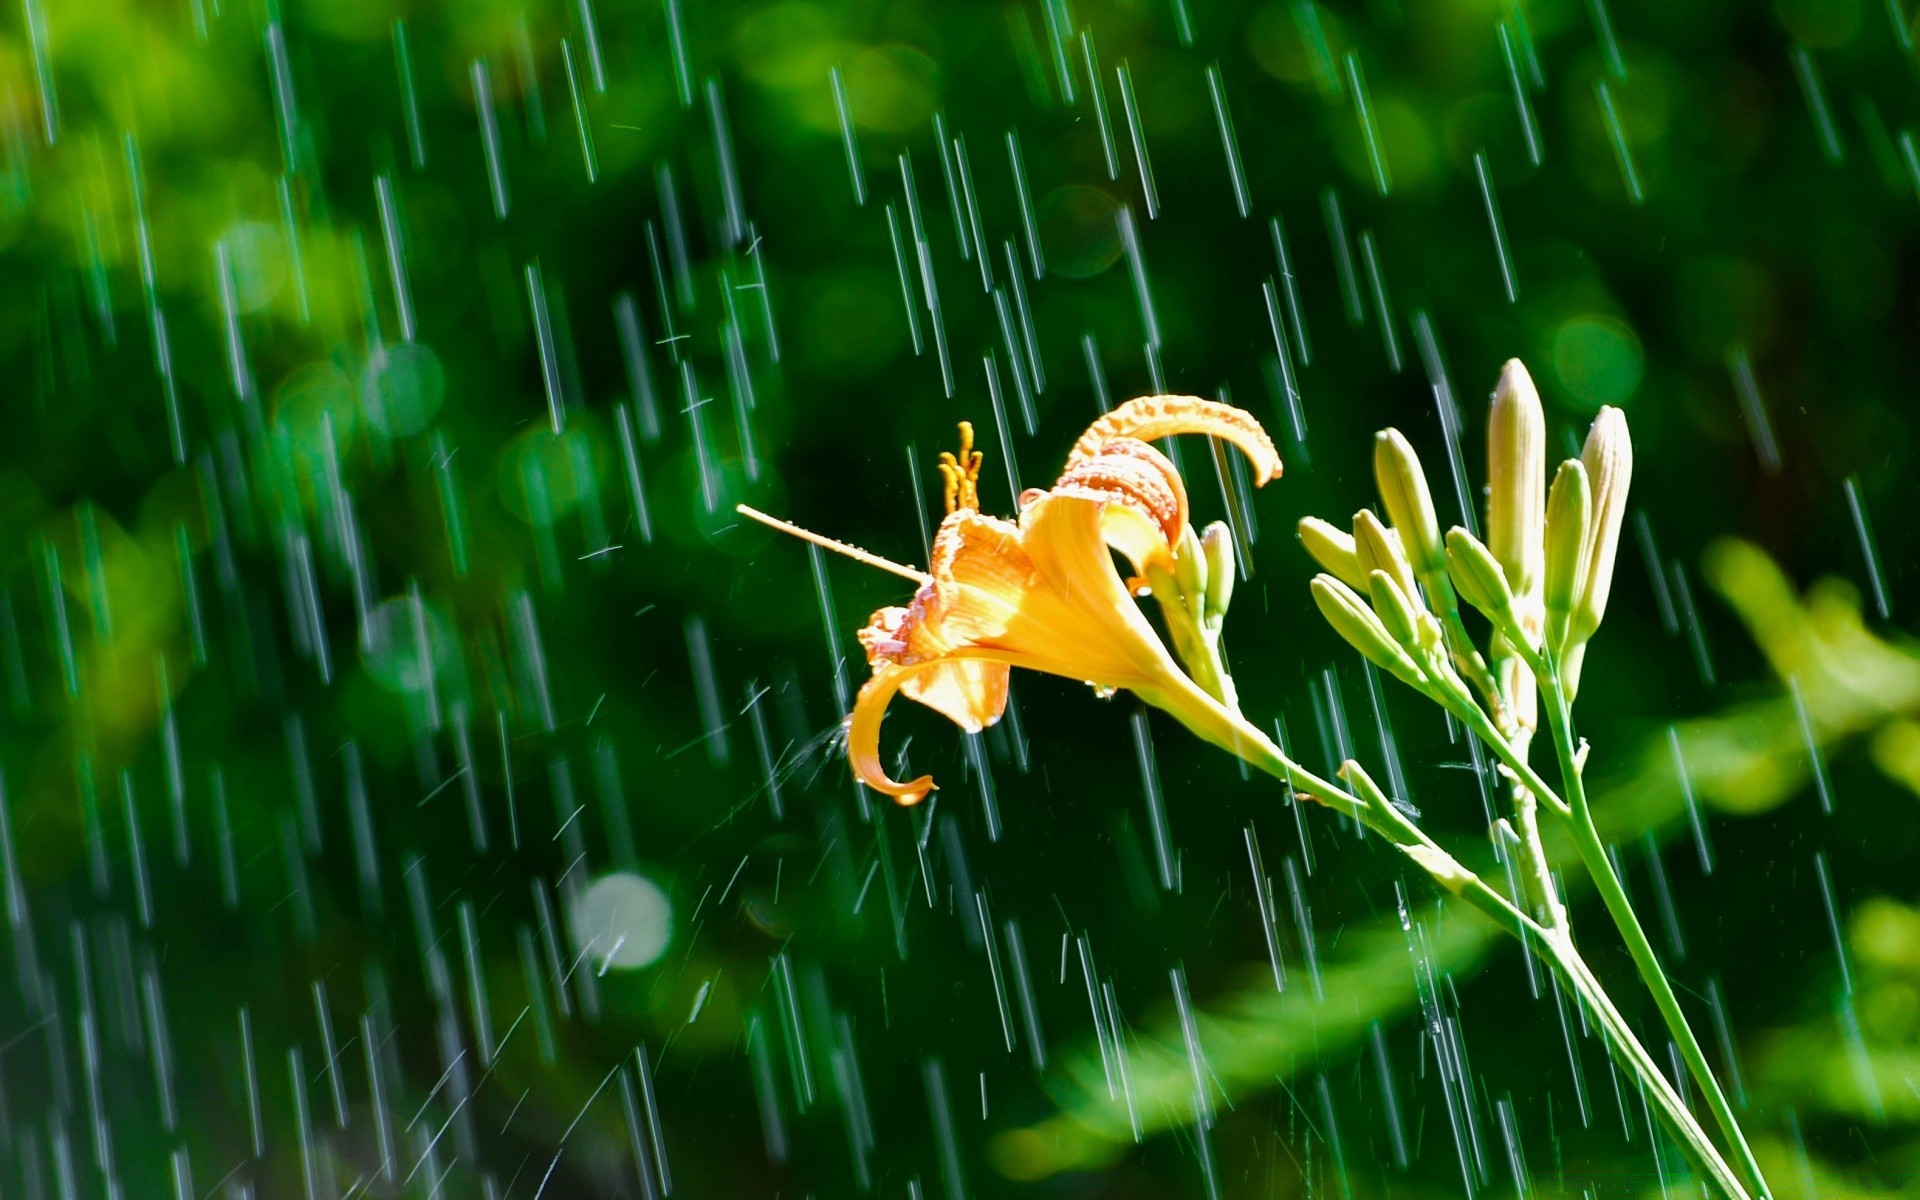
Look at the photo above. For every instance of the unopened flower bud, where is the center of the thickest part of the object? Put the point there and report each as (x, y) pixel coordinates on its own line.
(1569, 512)
(1477, 576)
(1517, 479)
(1190, 566)
(1379, 549)
(1608, 459)
(1217, 545)
(1332, 548)
(1354, 621)
(1396, 613)
(1409, 503)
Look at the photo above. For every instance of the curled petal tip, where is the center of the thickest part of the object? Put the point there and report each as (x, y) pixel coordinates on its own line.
(1150, 418)
(922, 786)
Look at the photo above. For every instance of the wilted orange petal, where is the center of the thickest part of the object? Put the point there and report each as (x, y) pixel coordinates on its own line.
(885, 635)
(1150, 418)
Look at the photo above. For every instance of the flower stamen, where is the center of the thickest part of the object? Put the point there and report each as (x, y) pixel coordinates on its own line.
(962, 473)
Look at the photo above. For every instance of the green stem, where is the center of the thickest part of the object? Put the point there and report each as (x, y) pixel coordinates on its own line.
(1593, 854)
(1205, 717)
(1552, 945)
(1394, 826)
(1627, 1049)
(1476, 720)
(1533, 852)
(1466, 658)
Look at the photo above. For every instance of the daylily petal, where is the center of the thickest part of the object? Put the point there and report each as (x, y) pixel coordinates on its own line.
(1150, 418)
(970, 693)
(1044, 594)
(886, 636)
(863, 733)
(980, 570)
(1080, 621)
(870, 705)
(1147, 501)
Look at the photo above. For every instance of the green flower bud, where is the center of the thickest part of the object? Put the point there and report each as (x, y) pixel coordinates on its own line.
(1354, 621)
(1409, 503)
(1569, 513)
(1517, 479)
(1396, 613)
(1477, 576)
(1190, 568)
(1332, 548)
(1379, 549)
(1608, 459)
(1217, 546)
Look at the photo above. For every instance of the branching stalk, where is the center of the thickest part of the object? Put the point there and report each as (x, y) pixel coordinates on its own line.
(1552, 944)
(1593, 854)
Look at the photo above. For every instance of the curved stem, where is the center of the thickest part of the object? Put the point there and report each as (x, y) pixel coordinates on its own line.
(1477, 722)
(1593, 854)
(1551, 944)
(1627, 1048)
(1466, 658)
(1204, 715)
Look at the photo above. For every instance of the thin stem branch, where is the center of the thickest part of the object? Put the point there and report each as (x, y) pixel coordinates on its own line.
(1476, 720)
(1552, 944)
(1593, 854)
(1627, 1048)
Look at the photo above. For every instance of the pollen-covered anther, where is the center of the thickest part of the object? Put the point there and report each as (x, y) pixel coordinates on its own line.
(1133, 473)
(961, 472)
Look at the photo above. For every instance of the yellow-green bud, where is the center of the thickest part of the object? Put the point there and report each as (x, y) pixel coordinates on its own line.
(1217, 545)
(1396, 613)
(1409, 503)
(1477, 576)
(1190, 566)
(1608, 459)
(1332, 548)
(1379, 549)
(1354, 621)
(1517, 479)
(1569, 512)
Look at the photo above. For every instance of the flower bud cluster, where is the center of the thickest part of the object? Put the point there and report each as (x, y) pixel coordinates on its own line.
(1542, 576)
(1194, 594)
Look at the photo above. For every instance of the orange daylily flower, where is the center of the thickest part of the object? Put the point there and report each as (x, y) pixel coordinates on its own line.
(1042, 592)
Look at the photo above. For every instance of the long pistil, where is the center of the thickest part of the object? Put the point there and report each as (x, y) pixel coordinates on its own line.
(826, 543)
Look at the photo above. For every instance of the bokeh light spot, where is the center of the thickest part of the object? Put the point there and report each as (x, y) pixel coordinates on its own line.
(622, 920)
(256, 263)
(404, 388)
(304, 405)
(1078, 229)
(408, 646)
(1598, 360)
